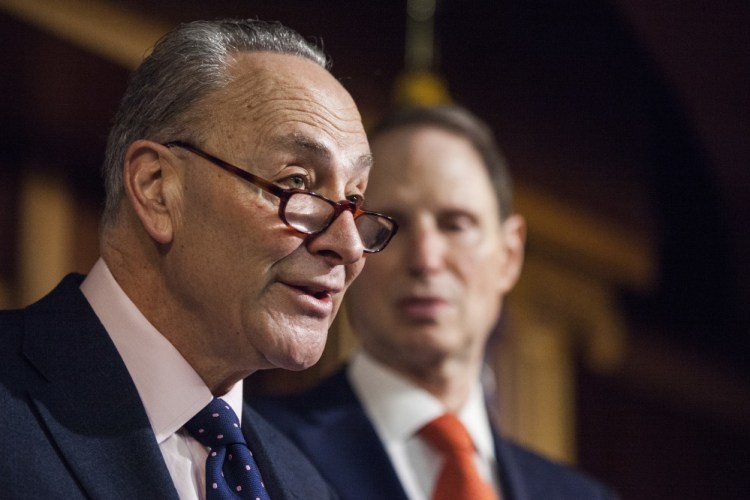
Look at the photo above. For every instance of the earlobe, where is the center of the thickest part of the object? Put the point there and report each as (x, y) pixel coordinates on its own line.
(146, 186)
(514, 243)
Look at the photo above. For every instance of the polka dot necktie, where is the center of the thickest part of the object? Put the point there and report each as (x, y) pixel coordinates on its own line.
(459, 477)
(231, 471)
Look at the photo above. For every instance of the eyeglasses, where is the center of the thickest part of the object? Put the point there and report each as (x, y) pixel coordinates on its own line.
(308, 212)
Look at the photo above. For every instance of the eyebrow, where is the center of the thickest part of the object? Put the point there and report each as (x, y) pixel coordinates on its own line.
(305, 144)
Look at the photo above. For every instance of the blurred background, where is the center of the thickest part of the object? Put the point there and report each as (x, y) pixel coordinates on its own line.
(624, 349)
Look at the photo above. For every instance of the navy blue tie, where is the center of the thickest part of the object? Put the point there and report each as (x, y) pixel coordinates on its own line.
(231, 471)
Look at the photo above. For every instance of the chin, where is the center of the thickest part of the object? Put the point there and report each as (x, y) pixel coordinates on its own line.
(297, 365)
(300, 358)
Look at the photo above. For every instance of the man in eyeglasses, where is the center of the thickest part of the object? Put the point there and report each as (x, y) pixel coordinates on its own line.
(234, 223)
(406, 418)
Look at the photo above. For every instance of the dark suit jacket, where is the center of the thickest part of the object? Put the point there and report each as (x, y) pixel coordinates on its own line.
(73, 426)
(329, 424)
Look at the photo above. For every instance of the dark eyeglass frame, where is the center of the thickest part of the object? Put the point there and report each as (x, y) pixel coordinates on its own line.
(284, 194)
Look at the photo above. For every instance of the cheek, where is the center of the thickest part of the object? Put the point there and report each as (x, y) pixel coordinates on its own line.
(365, 297)
(234, 249)
(376, 273)
(481, 273)
(353, 271)
(252, 230)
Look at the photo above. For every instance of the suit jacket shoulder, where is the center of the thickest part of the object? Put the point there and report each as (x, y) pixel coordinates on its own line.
(527, 475)
(73, 424)
(286, 472)
(329, 424)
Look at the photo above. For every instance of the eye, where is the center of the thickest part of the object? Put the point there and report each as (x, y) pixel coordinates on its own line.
(461, 228)
(456, 223)
(296, 181)
(357, 199)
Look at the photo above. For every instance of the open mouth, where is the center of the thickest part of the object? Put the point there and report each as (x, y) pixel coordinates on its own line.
(318, 293)
(313, 299)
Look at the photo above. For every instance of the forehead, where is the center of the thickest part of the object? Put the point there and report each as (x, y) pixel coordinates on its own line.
(274, 95)
(429, 167)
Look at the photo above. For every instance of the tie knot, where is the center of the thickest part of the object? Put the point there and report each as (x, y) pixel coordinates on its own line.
(448, 434)
(216, 425)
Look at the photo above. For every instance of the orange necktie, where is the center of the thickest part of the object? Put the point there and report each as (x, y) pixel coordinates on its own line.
(459, 478)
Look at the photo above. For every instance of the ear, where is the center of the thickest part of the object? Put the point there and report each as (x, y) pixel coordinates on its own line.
(148, 177)
(514, 242)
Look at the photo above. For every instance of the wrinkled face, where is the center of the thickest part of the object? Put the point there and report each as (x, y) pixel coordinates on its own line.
(263, 295)
(435, 293)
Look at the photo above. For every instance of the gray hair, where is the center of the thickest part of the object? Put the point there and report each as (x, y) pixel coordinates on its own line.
(186, 65)
(462, 122)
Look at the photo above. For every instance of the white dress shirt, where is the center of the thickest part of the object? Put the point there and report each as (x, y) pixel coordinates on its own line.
(398, 409)
(170, 389)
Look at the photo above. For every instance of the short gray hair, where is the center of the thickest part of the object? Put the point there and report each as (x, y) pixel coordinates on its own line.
(460, 121)
(186, 65)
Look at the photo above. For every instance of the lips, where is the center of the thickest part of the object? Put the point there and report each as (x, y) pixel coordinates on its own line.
(318, 292)
(315, 297)
(421, 308)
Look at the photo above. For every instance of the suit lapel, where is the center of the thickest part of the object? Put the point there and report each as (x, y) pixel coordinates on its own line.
(352, 456)
(90, 406)
(365, 462)
(286, 473)
(511, 476)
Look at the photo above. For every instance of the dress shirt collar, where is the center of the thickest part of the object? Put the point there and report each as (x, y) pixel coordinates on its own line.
(170, 389)
(398, 408)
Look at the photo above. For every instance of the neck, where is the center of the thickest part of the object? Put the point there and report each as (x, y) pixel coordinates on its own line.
(448, 380)
(138, 272)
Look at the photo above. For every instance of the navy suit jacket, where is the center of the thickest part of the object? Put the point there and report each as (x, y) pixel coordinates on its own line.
(329, 424)
(73, 426)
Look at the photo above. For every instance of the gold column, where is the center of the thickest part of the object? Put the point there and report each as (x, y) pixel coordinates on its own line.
(47, 215)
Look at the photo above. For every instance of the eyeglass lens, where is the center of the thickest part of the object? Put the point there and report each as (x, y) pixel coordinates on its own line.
(309, 214)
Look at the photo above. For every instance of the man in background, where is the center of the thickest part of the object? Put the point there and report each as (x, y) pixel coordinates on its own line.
(217, 260)
(406, 417)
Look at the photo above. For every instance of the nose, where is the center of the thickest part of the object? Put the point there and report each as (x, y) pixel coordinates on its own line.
(425, 250)
(340, 242)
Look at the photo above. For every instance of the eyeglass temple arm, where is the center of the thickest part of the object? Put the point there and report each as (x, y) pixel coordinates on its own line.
(244, 174)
